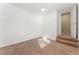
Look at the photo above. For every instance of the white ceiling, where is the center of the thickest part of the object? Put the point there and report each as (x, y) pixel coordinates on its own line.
(35, 7)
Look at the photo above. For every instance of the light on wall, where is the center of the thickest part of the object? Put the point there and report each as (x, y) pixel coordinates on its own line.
(42, 9)
(45, 38)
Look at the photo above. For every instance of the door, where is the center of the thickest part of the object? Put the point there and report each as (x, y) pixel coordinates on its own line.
(65, 23)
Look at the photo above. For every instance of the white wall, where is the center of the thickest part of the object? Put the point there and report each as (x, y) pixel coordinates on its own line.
(49, 28)
(17, 25)
(78, 21)
(59, 23)
(73, 21)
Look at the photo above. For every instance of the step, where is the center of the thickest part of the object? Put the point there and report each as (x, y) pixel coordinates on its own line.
(70, 43)
(68, 38)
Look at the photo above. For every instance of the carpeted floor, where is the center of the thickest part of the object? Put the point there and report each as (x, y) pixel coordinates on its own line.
(32, 47)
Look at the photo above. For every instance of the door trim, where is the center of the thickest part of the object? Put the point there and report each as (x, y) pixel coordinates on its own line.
(77, 21)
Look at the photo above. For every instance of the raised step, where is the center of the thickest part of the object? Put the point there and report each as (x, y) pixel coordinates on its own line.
(70, 43)
(68, 38)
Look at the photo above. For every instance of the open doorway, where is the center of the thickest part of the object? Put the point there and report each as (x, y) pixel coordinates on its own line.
(65, 23)
(67, 27)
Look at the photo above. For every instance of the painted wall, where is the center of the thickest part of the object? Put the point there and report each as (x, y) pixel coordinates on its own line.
(65, 21)
(73, 21)
(17, 25)
(78, 21)
(59, 23)
(49, 28)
